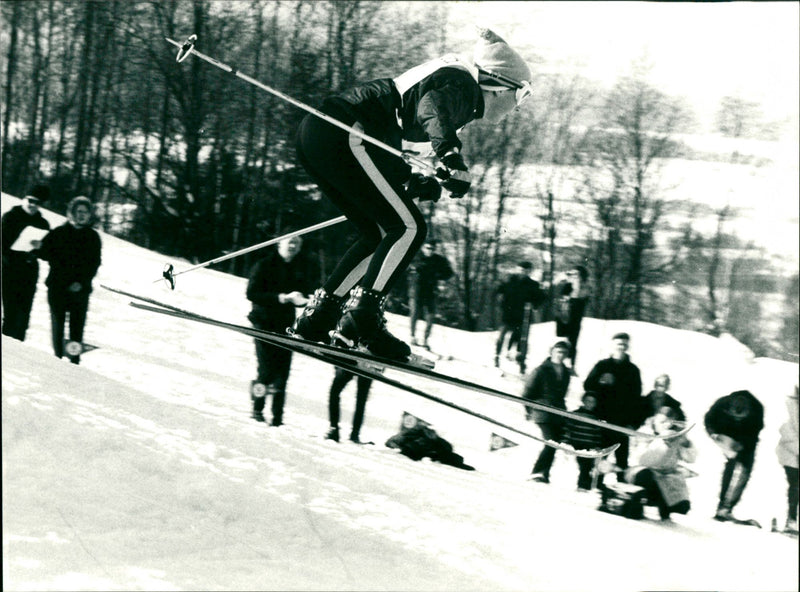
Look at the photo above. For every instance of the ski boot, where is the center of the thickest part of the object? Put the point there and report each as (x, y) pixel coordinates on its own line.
(318, 317)
(362, 324)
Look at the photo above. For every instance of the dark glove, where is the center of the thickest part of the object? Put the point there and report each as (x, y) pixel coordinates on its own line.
(455, 177)
(424, 188)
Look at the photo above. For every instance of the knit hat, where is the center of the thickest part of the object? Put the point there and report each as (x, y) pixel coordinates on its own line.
(499, 65)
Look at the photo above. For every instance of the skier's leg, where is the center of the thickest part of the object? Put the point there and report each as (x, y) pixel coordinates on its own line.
(792, 493)
(740, 476)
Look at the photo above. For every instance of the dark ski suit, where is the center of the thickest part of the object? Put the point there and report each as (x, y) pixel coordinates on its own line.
(20, 272)
(426, 104)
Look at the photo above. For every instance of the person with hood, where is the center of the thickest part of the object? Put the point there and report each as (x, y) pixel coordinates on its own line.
(618, 383)
(734, 422)
(375, 190)
(548, 385)
(73, 251)
(21, 268)
(787, 451)
(279, 282)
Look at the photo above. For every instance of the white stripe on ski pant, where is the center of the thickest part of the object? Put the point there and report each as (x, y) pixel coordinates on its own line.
(400, 248)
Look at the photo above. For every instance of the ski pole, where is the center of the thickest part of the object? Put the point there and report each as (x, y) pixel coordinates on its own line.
(187, 48)
(170, 275)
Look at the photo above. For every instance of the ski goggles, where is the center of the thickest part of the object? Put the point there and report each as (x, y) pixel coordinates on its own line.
(522, 89)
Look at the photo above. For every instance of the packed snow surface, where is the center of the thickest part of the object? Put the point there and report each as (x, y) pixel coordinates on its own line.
(140, 469)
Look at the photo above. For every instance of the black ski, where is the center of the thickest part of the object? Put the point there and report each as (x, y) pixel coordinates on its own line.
(376, 364)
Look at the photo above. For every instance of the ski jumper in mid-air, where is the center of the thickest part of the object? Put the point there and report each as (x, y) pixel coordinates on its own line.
(375, 189)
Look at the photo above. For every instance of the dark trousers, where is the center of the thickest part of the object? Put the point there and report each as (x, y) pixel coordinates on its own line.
(647, 481)
(63, 304)
(735, 476)
(340, 380)
(585, 467)
(608, 438)
(513, 331)
(424, 308)
(366, 184)
(19, 286)
(274, 364)
(792, 494)
(550, 431)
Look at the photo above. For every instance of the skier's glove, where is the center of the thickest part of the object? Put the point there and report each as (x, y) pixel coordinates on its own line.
(423, 188)
(455, 176)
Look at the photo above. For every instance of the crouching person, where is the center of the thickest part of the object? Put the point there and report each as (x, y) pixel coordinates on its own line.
(660, 471)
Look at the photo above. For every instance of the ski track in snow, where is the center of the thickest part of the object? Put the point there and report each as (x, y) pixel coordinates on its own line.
(140, 469)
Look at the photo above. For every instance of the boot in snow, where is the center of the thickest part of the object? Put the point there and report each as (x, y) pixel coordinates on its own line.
(362, 323)
(319, 317)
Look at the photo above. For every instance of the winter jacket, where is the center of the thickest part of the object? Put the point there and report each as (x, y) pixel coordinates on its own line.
(744, 426)
(74, 255)
(547, 387)
(270, 277)
(664, 459)
(619, 386)
(427, 273)
(431, 110)
(582, 435)
(14, 221)
(515, 292)
(787, 444)
(570, 307)
(650, 405)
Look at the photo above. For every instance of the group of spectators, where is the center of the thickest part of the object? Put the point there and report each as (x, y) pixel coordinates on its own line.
(73, 251)
(612, 392)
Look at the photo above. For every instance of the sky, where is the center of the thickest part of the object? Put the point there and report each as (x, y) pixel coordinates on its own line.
(140, 469)
(702, 51)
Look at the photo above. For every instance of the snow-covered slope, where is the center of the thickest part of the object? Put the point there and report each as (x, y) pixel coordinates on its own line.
(140, 468)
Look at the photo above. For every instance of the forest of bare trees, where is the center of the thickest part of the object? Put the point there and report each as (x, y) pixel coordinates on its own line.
(187, 160)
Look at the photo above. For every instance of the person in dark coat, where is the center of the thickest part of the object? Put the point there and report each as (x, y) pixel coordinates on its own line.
(515, 292)
(340, 379)
(584, 436)
(21, 268)
(572, 296)
(734, 422)
(427, 271)
(375, 189)
(658, 398)
(618, 383)
(548, 385)
(278, 284)
(73, 251)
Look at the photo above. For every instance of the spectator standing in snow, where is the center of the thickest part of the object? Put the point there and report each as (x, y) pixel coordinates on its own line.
(572, 296)
(279, 282)
(427, 271)
(734, 422)
(659, 469)
(375, 189)
(73, 251)
(787, 455)
(515, 292)
(659, 397)
(618, 383)
(548, 385)
(21, 268)
(340, 380)
(584, 436)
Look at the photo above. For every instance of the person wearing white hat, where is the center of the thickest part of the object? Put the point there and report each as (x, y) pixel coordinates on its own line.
(375, 190)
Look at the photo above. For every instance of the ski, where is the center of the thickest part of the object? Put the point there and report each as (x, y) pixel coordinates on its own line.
(375, 363)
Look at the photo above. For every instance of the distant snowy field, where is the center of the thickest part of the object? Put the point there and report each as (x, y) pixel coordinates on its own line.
(141, 470)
